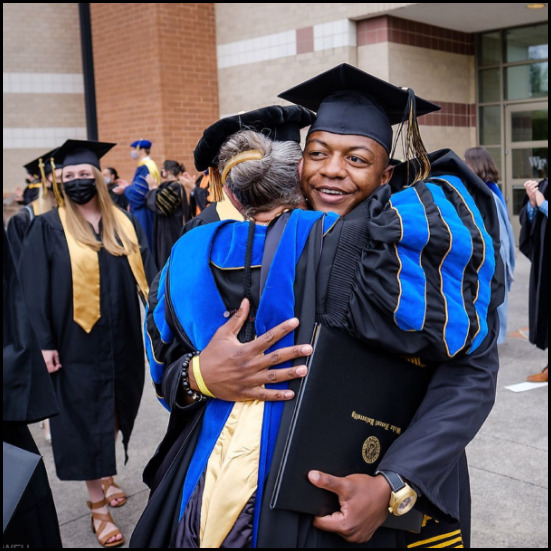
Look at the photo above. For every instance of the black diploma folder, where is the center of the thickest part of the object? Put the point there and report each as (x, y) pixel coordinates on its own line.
(353, 403)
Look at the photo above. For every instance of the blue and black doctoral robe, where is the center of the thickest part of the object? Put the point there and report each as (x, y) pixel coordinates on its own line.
(356, 281)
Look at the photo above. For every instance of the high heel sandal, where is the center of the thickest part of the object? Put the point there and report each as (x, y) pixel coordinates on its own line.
(105, 519)
(106, 484)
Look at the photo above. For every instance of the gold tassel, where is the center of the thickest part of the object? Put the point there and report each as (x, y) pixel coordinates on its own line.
(414, 149)
(42, 176)
(55, 186)
(216, 187)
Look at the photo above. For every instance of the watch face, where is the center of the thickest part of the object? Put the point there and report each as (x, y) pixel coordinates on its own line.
(405, 506)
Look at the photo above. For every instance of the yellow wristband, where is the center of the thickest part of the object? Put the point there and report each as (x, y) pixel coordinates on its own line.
(199, 378)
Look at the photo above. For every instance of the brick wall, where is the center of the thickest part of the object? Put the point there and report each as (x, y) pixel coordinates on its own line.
(156, 78)
(43, 95)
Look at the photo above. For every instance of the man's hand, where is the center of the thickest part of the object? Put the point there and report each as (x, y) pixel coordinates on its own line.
(51, 357)
(237, 372)
(363, 500)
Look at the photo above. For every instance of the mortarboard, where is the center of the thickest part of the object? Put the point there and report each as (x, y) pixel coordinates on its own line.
(78, 152)
(277, 122)
(39, 169)
(33, 167)
(350, 101)
(141, 144)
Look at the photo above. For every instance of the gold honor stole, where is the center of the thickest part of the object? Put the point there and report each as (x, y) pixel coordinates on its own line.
(226, 210)
(85, 272)
(231, 475)
(152, 167)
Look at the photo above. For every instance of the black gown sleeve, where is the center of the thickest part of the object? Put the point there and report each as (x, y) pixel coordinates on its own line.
(36, 282)
(165, 347)
(28, 394)
(149, 264)
(459, 398)
(17, 228)
(365, 302)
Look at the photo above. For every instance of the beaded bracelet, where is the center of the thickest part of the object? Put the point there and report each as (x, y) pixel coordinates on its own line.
(184, 377)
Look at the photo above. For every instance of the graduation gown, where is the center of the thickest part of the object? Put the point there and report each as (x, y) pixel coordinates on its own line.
(102, 371)
(18, 225)
(171, 212)
(430, 453)
(119, 199)
(136, 194)
(533, 244)
(28, 397)
(27, 392)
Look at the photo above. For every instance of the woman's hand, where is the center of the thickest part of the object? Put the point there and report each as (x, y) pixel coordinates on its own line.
(187, 181)
(51, 357)
(237, 372)
(120, 187)
(151, 181)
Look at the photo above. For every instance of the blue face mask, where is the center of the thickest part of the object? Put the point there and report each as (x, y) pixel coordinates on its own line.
(80, 190)
(134, 154)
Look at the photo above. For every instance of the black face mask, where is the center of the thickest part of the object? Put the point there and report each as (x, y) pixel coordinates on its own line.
(80, 190)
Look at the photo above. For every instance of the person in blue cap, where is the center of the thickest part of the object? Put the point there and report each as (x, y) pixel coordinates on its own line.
(136, 191)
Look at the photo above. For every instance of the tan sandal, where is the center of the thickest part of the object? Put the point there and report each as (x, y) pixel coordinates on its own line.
(106, 485)
(105, 519)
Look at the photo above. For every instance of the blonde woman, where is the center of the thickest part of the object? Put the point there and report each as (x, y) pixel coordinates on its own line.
(82, 267)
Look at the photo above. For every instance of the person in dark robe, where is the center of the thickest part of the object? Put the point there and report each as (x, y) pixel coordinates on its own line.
(43, 171)
(200, 195)
(92, 262)
(533, 244)
(170, 203)
(427, 454)
(28, 397)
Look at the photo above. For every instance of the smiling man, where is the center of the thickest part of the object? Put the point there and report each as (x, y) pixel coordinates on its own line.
(339, 172)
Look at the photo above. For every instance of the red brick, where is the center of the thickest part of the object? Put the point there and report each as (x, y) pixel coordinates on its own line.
(156, 78)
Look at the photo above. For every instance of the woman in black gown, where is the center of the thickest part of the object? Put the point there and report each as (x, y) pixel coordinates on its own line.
(91, 263)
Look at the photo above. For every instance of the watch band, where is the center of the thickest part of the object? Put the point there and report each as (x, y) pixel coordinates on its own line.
(395, 481)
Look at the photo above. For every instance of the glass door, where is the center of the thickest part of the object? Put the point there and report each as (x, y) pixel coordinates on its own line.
(526, 151)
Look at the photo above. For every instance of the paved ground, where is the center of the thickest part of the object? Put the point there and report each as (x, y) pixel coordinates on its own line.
(508, 458)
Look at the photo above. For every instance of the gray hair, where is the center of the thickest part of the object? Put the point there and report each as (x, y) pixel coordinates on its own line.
(263, 184)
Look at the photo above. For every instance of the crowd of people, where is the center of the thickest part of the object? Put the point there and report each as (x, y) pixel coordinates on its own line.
(413, 258)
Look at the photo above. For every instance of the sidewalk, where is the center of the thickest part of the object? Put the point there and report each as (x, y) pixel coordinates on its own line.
(508, 458)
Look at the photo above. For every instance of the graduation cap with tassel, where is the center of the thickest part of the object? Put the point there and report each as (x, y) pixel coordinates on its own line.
(350, 101)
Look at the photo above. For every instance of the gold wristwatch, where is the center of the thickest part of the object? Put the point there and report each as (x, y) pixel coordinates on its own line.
(402, 495)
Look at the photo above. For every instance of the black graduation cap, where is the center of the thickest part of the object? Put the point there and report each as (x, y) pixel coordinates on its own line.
(350, 101)
(279, 123)
(33, 168)
(78, 152)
